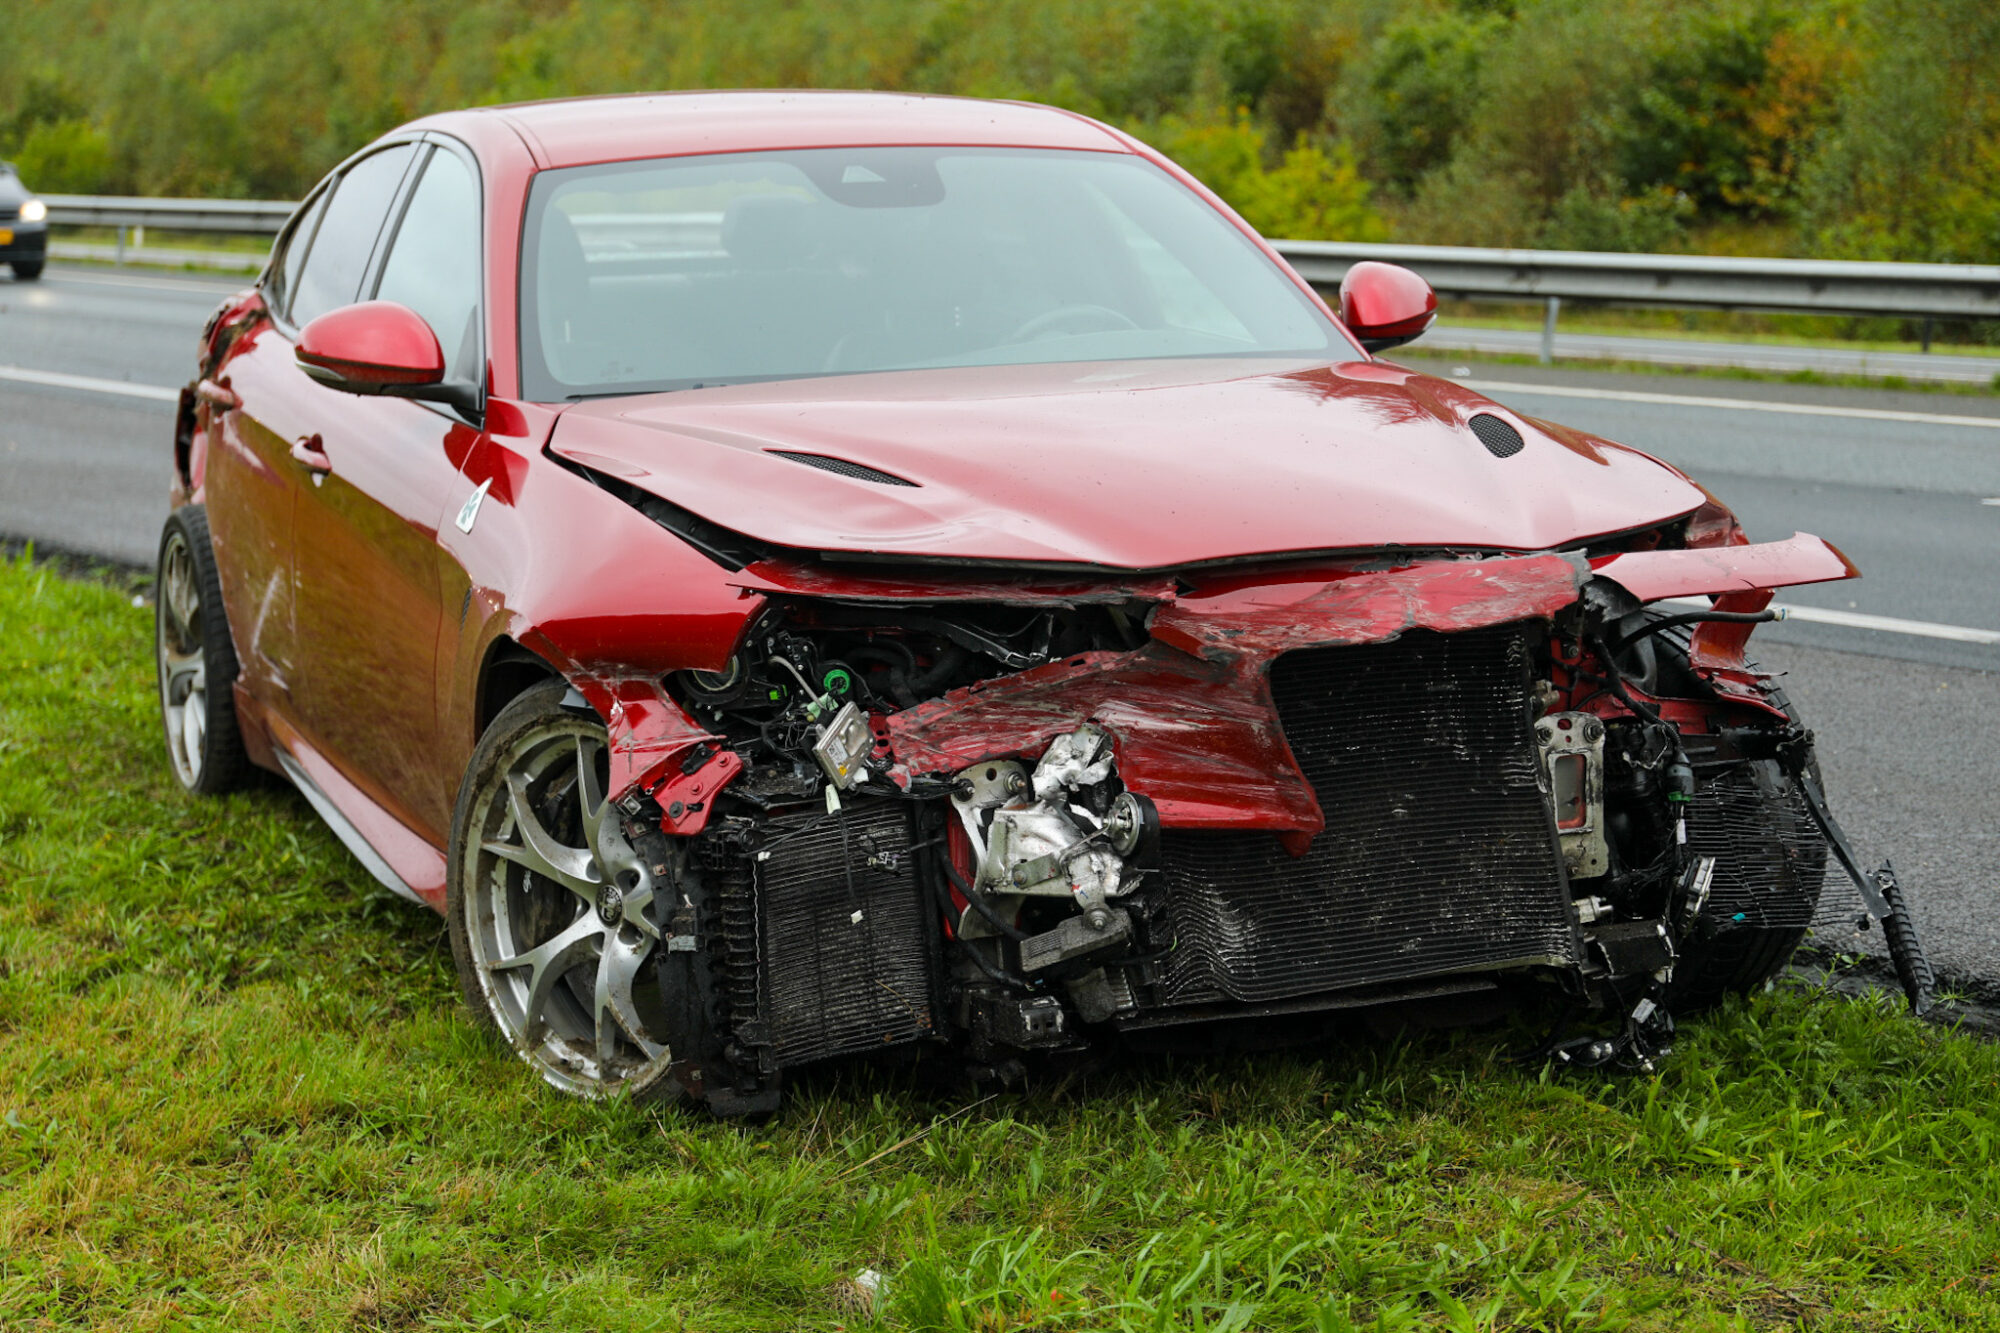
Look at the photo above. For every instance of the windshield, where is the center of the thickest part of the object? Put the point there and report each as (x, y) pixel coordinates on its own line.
(686, 272)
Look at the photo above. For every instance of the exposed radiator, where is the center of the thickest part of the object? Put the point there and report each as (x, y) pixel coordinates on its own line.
(1770, 858)
(843, 966)
(1439, 853)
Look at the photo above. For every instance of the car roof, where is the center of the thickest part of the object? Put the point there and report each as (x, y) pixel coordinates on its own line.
(575, 131)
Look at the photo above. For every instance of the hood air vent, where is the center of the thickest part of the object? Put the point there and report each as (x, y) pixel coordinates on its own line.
(1501, 440)
(857, 471)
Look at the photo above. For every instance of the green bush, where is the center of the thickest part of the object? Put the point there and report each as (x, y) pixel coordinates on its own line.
(1312, 193)
(1839, 127)
(65, 157)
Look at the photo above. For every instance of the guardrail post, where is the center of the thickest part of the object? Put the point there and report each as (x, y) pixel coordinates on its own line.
(120, 261)
(1927, 333)
(1549, 330)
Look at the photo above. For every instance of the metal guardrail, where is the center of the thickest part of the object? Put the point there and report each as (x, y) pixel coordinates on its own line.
(256, 217)
(1787, 286)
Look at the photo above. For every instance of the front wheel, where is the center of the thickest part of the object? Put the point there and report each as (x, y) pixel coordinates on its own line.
(27, 270)
(555, 922)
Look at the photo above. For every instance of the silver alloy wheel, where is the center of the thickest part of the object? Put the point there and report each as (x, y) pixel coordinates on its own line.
(183, 661)
(560, 915)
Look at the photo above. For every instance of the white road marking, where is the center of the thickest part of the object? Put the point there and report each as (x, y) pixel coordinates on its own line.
(193, 285)
(1733, 404)
(89, 384)
(1995, 502)
(1817, 615)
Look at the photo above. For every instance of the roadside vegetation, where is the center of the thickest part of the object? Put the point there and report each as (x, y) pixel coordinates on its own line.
(237, 1091)
(1844, 128)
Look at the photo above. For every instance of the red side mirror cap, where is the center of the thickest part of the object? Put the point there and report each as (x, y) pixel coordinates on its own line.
(1385, 305)
(373, 348)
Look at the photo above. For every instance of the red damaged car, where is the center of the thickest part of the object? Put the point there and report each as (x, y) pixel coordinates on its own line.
(797, 575)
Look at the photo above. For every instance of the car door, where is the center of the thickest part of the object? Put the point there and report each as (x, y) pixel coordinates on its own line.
(255, 412)
(366, 555)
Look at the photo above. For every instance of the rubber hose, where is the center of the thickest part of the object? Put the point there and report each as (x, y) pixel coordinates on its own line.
(1623, 641)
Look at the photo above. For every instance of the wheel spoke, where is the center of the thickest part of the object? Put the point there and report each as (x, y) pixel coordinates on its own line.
(180, 669)
(617, 969)
(637, 900)
(548, 962)
(194, 726)
(600, 820)
(539, 851)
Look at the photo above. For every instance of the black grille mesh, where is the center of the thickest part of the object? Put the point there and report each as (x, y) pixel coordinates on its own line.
(1438, 856)
(832, 985)
(1501, 440)
(1770, 858)
(843, 467)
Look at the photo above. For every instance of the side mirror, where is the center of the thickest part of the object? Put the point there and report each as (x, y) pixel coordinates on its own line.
(1386, 305)
(380, 349)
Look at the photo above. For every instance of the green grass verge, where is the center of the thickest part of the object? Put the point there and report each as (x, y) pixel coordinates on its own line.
(237, 1091)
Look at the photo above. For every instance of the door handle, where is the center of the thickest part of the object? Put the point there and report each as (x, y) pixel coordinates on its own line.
(218, 395)
(307, 453)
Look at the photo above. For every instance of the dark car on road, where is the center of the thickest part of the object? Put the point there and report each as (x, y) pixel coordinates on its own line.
(24, 228)
(793, 576)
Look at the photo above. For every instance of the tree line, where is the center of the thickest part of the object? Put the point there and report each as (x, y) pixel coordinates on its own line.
(1842, 128)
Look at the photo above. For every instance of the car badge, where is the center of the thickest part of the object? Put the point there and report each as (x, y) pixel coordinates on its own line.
(469, 511)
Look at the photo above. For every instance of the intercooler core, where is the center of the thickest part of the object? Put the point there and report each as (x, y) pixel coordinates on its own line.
(1439, 854)
(843, 957)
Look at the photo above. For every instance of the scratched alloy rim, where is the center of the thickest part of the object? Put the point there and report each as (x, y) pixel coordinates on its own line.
(561, 915)
(183, 663)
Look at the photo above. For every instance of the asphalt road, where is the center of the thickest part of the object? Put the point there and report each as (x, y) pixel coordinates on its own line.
(1909, 723)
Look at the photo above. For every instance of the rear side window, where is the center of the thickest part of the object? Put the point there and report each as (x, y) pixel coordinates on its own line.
(433, 265)
(334, 266)
(285, 273)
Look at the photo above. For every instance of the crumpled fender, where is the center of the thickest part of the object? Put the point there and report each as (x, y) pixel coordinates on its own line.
(1715, 570)
(1196, 727)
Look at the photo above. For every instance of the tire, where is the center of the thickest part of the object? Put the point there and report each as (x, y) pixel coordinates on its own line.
(555, 927)
(1721, 958)
(195, 660)
(27, 270)
(1735, 962)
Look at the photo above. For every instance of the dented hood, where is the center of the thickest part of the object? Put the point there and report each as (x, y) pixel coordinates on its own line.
(1127, 465)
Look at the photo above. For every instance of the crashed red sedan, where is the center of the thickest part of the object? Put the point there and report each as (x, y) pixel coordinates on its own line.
(792, 576)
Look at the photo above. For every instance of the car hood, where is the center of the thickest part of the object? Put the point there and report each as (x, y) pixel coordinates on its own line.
(1127, 465)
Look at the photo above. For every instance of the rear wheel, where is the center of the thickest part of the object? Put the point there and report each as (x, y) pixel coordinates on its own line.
(27, 270)
(196, 660)
(554, 919)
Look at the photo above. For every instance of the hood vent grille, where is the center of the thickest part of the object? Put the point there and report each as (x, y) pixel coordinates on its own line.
(846, 469)
(1501, 440)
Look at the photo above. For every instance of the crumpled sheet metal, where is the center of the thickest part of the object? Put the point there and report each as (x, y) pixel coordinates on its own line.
(648, 731)
(1192, 713)
(1715, 570)
(1447, 596)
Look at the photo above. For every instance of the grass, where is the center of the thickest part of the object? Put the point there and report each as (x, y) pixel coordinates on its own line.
(237, 1091)
(1846, 332)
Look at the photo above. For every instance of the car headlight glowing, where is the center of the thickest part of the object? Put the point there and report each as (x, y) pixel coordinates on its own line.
(34, 211)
